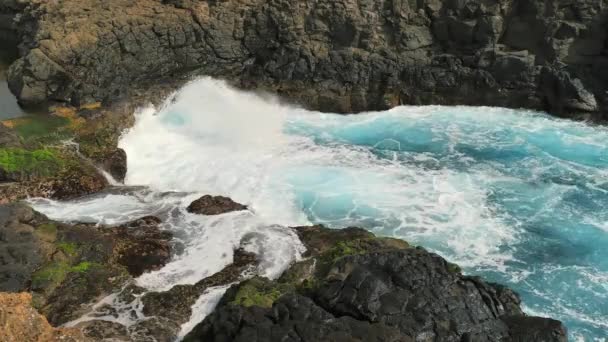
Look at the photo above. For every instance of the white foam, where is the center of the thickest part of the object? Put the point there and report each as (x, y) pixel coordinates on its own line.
(203, 307)
(211, 139)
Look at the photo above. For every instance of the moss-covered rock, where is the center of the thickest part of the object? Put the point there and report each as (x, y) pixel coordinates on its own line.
(36, 159)
(259, 292)
(19, 164)
(325, 248)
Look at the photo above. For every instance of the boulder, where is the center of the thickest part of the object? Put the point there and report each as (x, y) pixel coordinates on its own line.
(115, 163)
(565, 93)
(214, 205)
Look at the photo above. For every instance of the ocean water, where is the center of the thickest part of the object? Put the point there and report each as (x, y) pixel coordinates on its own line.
(8, 103)
(515, 196)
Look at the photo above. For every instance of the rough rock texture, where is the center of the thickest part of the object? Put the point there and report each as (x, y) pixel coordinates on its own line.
(372, 289)
(165, 311)
(20, 322)
(214, 205)
(69, 267)
(8, 138)
(116, 164)
(344, 55)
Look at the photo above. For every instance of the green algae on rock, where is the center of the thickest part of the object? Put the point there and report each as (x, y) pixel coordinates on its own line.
(69, 266)
(259, 292)
(355, 286)
(17, 163)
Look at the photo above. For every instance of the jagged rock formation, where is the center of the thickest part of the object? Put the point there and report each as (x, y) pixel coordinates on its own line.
(364, 288)
(343, 56)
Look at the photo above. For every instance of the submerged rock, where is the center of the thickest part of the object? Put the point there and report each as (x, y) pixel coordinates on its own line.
(19, 321)
(364, 288)
(214, 205)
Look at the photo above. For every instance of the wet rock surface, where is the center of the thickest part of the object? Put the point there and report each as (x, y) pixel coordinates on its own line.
(214, 205)
(116, 164)
(350, 286)
(372, 289)
(69, 267)
(340, 56)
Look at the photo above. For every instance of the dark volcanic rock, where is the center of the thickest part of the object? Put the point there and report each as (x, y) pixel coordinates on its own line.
(343, 56)
(77, 181)
(141, 246)
(69, 267)
(166, 311)
(176, 303)
(214, 205)
(116, 164)
(371, 289)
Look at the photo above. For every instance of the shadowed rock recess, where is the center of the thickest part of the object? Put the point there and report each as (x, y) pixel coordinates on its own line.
(331, 55)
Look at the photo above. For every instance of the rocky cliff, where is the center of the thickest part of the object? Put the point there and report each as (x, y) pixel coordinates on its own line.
(331, 55)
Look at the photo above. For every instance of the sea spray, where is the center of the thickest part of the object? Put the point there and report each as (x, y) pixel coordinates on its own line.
(515, 196)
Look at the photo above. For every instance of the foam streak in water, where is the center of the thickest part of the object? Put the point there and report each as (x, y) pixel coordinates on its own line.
(515, 196)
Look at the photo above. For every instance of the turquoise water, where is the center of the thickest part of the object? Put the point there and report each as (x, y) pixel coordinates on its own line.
(516, 197)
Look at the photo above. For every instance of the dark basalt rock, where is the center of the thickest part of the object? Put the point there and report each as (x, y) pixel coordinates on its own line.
(175, 304)
(69, 267)
(339, 56)
(371, 289)
(77, 181)
(141, 246)
(214, 205)
(116, 164)
(167, 311)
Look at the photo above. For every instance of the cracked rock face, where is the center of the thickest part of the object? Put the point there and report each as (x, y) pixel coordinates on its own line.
(339, 56)
(364, 288)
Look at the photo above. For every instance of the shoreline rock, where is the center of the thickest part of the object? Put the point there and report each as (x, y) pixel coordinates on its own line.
(214, 205)
(331, 56)
(366, 288)
(68, 267)
(350, 285)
